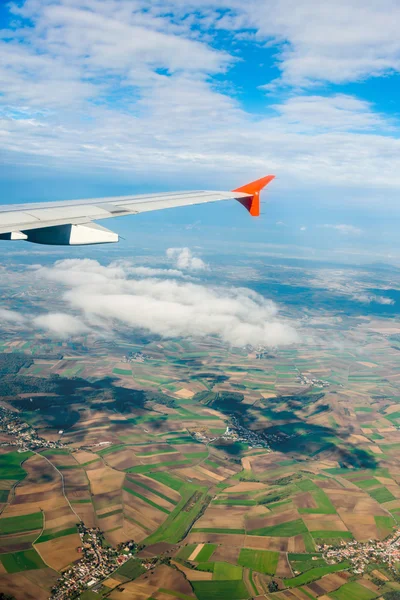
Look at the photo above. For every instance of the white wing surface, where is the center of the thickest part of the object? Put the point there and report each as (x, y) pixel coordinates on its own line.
(71, 222)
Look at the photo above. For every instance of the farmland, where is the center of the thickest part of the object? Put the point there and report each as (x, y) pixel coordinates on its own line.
(231, 468)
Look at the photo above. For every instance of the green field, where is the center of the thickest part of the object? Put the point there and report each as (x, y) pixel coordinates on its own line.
(131, 569)
(220, 590)
(173, 482)
(179, 520)
(288, 529)
(10, 465)
(332, 535)
(305, 562)
(147, 468)
(22, 561)
(110, 449)
(122, 371)
(217, 530)
(353, 590)
(381, 495)
(366, 484)
(225, 571)
(21, 523)
(262, 561)
(308, 542)
(325, 506)
(206, 552)
(229, 502)
(306, 485)
(314, 574)
(4, 495)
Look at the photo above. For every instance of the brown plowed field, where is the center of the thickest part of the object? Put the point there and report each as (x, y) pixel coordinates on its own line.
(258, 542)
(60, 552)
(105, 479)
(320, 522)
(230, 517)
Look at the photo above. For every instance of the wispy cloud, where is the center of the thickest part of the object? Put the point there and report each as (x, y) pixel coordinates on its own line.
(344, 229)
(11, 316)
(365, 298)
(348, 284)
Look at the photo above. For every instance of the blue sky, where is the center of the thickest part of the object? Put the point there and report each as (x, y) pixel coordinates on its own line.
(102, 97)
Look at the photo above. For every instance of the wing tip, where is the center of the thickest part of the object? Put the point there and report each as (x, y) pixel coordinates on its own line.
(252, 203)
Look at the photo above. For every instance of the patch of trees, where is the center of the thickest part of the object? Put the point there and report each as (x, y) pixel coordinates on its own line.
(11, 363)
(287, 479)
(320, 409)
(274, 497)
(299, 401)
(212, 378)
(273, 586)
(160, 398)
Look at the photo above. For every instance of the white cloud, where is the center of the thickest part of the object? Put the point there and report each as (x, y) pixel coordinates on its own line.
(318, 42)
(107, 297)
(129, 86)
(344, 229)
(60, 324)
(340, 112)
(365, 298)
(10, 316)
(184, 259)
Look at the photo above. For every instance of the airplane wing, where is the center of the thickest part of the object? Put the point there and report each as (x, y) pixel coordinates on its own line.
(71, 222)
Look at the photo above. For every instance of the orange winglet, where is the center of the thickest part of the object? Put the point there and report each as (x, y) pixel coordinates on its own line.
(253, 189)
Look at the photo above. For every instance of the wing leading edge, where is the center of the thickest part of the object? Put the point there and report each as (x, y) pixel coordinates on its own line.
(71, 222)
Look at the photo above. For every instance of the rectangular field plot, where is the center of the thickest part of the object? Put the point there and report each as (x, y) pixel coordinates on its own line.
(289, 529)
(206, 552)
(331, 535)
(220, 590)
(305, 562)
(224, 571)
(131, 569)
(21, 523)
(381, 495)
(262, 561)
(353, 590)
(22, 561)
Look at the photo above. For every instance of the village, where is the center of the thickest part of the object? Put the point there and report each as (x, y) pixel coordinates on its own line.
(361, 554)
(21, 434)
(98, 561)
(238, 433)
